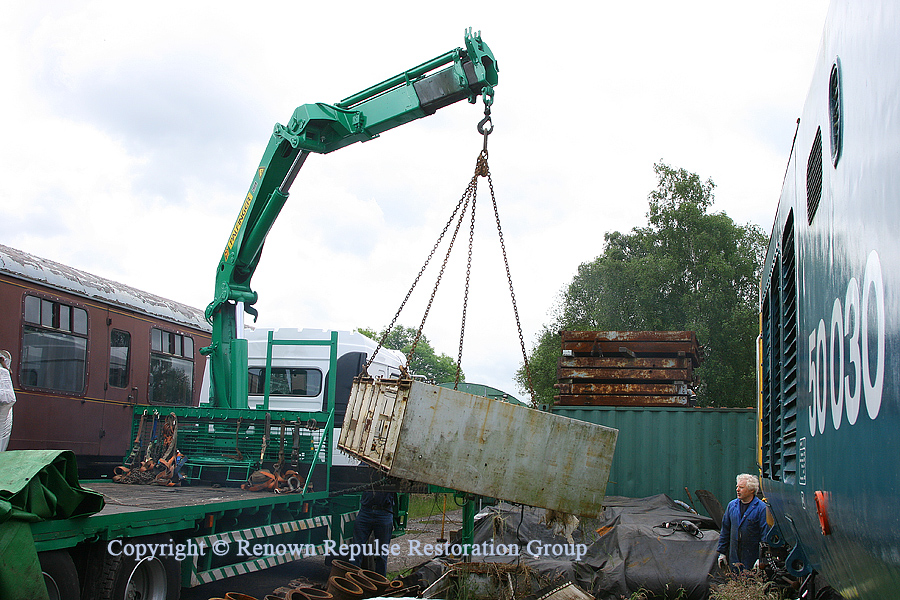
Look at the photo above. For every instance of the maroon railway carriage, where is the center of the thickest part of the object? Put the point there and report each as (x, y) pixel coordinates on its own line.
(85, 351)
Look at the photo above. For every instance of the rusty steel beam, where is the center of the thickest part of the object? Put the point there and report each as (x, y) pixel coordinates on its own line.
(625, 374)
(621, 389)
(629, 336)
(645, 348)
(623, 362)
(592, 400)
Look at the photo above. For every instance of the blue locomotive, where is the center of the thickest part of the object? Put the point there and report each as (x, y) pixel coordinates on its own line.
(830, 318)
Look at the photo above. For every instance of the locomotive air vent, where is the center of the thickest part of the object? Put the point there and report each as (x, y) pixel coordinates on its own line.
(836, 111)
(814, 177)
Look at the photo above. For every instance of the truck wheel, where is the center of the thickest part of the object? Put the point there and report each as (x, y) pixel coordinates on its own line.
(60, 575)
(150, 578)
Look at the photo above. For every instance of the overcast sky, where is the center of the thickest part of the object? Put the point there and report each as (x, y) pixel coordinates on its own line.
(131, 133)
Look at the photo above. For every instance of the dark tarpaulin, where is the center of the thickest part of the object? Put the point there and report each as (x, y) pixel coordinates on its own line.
(628, 547)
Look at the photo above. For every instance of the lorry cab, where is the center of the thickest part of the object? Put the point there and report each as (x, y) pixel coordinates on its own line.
(300, 373)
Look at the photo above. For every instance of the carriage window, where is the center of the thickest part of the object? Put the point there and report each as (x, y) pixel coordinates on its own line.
(119, 358)
(54, 344)
(171, 368)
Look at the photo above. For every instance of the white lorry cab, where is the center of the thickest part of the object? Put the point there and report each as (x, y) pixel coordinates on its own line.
(300, 374)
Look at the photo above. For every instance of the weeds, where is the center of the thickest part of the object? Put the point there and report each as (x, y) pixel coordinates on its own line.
(643, 594)
(749, 585)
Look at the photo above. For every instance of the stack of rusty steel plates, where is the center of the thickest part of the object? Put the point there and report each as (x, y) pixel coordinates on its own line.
(627, 368)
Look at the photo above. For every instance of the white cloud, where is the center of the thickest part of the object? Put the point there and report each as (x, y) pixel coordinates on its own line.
(132, 133)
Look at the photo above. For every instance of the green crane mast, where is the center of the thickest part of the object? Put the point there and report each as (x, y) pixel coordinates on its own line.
(462, 73)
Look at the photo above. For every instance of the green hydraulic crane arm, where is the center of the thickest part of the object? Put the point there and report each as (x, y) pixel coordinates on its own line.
(463, 73)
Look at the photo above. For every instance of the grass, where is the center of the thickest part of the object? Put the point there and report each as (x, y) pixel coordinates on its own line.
(426, 505)
(749, 585)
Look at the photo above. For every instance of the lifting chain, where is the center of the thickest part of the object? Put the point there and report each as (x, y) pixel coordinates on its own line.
(485, 128)
(512, 292)
(416, 281)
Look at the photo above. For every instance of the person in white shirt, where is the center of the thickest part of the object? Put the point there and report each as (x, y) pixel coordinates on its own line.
(7, 399)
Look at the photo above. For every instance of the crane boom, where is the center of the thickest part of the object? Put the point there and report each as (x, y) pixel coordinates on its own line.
(462, 73)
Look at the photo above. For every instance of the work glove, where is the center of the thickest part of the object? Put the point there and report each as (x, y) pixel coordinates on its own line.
(723, 562)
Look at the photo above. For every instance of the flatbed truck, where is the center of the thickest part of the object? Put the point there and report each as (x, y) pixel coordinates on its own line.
(155, 540)
(104, 556)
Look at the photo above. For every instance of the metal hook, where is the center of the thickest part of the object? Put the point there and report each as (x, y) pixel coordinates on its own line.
(485, 121)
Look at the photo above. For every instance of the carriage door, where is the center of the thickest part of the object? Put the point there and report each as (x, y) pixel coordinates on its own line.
(118, 385)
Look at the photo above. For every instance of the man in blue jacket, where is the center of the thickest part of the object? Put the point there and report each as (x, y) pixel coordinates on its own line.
(743, 527)
(376, 516)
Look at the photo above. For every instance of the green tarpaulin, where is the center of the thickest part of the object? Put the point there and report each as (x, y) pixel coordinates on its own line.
(38, 485)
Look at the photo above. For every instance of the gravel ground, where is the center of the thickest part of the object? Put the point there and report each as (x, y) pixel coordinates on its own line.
(426, 530)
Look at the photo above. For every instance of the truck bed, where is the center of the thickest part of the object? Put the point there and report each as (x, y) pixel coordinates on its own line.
(122, 498)
(139, 510)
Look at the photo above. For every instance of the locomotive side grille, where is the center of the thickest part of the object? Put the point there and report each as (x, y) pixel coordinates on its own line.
(814, 177)
(779, 365)
(766, 412)
(788, 379)
(776, 372)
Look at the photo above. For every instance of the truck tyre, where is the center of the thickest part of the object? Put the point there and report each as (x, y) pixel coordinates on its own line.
(150, 578)
(60, 575)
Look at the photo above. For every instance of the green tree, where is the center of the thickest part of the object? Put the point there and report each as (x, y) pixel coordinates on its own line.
(439, 368)
(688, 269)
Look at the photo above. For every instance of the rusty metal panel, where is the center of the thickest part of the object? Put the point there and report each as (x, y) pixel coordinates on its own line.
(474, 444)
(664, 450)
(627, 368)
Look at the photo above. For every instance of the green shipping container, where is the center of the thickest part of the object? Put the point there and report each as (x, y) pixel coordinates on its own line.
(664, 450)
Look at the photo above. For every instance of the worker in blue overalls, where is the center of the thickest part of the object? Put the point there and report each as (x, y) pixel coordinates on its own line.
(744, 526)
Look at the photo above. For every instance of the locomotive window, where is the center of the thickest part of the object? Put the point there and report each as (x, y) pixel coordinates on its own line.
(119, 358)
(171, 368)
(836, 111)
(290, 381)
(54, 343)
